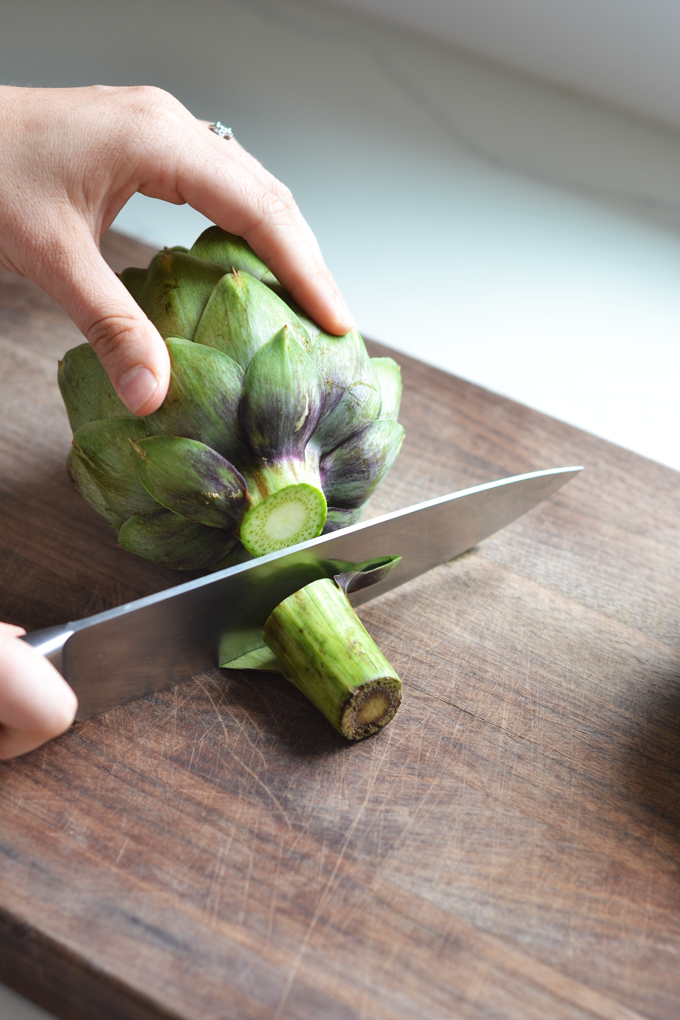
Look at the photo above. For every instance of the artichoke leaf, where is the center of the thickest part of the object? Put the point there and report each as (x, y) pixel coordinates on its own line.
(341, 517)
(176, 292)
(203, 398)
(261, 658)
(228, 251)
(242, 316)
(89, 490)
(104, 449)
(389, 380)
(356, 576)
(353, 471)
(282, 399)
(134, 279)
(192, 480)
(86, 389)
(352, 388)
(173, 541)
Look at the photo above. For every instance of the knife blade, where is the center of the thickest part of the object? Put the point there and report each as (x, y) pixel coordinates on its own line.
(160, 640)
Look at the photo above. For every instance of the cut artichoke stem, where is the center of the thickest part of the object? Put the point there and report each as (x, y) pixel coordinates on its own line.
(291, 515)
(264, 479)
(287, 505)
(325, 650)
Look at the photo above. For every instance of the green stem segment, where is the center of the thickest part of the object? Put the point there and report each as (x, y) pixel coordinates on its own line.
(325, 650)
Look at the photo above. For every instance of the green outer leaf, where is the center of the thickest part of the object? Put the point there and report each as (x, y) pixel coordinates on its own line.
(342, 517)
(89, 490)
(134, 279)
(355, 576)
(192, 480)
(258, 658)
(176, 292)
(228, 251)
(203, 398)
(312, 328)
(242, 316)
(173, 541)
(105, 451)
(352, 388)
(282, 399)
(353, 471)
(389, 379)
(86, 389)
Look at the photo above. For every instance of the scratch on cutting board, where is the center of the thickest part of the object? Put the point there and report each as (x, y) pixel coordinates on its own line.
(240, 761)
(122, 850)
(325, 894)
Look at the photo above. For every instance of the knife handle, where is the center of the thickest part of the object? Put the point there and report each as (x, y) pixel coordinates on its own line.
(50, 642)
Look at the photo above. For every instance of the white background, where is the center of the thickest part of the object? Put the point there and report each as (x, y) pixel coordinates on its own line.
(511, 231)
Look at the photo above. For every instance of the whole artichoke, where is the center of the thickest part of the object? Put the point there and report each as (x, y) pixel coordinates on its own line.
(272, 430)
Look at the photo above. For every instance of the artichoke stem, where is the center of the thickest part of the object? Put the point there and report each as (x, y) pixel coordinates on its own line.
(265, 479)
(325, 650)
(287, 506)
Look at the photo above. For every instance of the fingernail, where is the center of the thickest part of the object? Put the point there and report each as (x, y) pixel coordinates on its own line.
(137, 386)
(343, 312)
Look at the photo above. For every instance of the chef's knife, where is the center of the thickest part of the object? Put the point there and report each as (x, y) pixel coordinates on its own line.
(155, 642)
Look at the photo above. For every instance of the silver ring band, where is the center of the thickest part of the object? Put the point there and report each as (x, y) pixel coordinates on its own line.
(221, 130)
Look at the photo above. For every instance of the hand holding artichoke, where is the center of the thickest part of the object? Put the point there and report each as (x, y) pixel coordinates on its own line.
(272, 430)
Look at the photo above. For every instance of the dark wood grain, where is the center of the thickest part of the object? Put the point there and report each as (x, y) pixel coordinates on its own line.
(509, 847)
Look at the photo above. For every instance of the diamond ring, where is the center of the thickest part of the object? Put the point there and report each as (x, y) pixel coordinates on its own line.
(221, 130)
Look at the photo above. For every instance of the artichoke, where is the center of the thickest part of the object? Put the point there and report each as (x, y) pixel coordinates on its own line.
(272, 430)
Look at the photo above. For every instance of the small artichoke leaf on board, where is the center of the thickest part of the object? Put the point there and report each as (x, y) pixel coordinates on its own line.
(356, 576)
(261, 658)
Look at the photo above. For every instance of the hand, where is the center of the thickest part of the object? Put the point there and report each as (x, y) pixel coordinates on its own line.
(69, 161)
(36, 703)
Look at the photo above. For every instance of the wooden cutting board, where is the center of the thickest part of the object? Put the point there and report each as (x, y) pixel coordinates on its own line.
(509, 847)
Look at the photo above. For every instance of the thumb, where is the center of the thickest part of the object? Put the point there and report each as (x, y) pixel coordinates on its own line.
(129, 347)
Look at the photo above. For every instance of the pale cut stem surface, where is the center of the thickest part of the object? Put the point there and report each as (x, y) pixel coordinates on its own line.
(287, 506)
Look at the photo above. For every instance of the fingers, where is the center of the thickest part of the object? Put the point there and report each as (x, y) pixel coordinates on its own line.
(291, 251)
(225, 183)
(127, 344)
(11, 630)
(36, 703)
